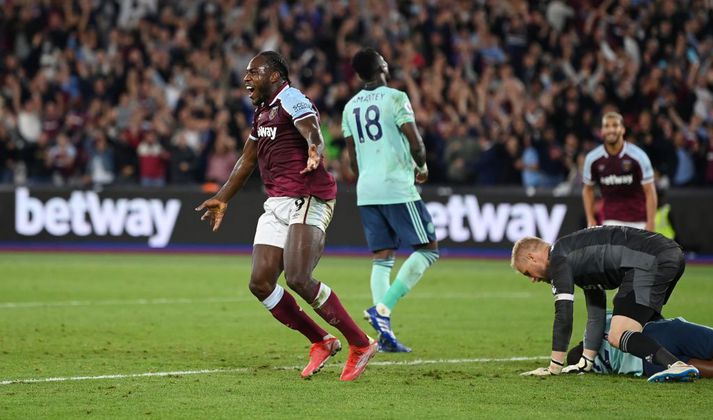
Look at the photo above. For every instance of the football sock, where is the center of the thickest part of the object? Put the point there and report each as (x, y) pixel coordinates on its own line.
(410, 273)
(328, 306)
(380, 278)
(285, 309)
(646, 348)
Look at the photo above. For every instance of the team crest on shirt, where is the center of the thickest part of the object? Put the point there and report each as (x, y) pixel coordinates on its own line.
(272, 114)
(601, 167)
(626, 165)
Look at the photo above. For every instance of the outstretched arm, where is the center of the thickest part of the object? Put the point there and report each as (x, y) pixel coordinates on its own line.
(309, 128)
(215, 207)
(596, 320)
(563, 290)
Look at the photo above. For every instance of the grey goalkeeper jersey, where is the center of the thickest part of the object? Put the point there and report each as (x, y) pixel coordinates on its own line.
(596, 260)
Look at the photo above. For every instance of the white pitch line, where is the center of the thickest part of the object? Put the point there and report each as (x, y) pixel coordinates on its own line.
(243, 369)
(178, 301)
(455, 361)
(155, 301)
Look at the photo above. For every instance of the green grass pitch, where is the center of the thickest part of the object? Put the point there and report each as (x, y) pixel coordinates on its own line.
(69, 316)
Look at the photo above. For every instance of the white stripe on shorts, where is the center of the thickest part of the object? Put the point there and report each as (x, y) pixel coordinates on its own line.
(417, 222)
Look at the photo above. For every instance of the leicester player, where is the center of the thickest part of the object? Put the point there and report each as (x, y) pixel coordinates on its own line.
(287, 144)
(642, 265)
(691, 343)
(387, 155)
(625, 177)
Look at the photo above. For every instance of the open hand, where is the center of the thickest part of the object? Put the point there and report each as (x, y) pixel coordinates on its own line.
(313, 160)
(543, 371)
(215, 209)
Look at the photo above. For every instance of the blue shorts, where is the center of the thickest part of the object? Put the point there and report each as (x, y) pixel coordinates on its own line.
(386, 226)
(683, 339)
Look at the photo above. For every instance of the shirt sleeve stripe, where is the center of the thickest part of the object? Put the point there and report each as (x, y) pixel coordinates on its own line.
(564, 296)
(303, 116)
(252, 137)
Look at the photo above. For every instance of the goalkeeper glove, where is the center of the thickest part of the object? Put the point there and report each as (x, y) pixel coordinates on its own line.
(553, 369)
(584, 365)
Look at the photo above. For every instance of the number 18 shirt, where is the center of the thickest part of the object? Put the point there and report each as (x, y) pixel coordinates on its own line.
(386, 169)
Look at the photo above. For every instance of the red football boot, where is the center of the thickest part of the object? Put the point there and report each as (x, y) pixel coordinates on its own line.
(358, 359)
(319, 353)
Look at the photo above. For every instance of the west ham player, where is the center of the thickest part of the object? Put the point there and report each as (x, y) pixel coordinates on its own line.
(287, 144)
(643, 266)
(625, 177)
(383, 144)
(691, 343)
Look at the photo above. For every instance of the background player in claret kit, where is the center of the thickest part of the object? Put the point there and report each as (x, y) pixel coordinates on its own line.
(625, 177)
(287, 144)
(643, 266)
(384, 143)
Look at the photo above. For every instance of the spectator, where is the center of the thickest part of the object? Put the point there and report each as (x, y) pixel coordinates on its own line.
(222, 159)
(152, 161)
(526, 66)
(550, 155)
(530, 165)
(61, 159)
(8, 157)
(36, 162)
(100, 160)
(183, 162)
(685, 169)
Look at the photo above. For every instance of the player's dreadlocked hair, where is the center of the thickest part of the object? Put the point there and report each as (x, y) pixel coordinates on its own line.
(366, 63)
(277, 62)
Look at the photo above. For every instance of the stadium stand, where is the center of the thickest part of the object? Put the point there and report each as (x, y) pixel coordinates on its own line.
(96, 92)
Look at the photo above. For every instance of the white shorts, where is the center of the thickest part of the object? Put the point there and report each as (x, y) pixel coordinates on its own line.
(638, 225)
(281, 212)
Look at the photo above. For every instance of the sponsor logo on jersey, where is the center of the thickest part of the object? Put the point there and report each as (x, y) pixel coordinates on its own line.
(270, 132)
(301, 106)
(617, 179)
(84, 213)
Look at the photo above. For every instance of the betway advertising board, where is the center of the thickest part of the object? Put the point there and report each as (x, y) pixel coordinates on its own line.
(159, 218)
(163, 218)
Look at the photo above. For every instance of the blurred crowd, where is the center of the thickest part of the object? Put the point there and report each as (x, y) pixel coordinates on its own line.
(97, 92)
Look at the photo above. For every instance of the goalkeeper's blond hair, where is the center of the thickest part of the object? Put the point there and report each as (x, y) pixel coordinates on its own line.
(522, 247)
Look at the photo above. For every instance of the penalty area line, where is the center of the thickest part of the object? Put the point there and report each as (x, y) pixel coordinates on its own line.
(245, 370)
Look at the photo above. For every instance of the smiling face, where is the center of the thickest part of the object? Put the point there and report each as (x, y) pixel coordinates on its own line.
(612, 130)
(259, 80)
